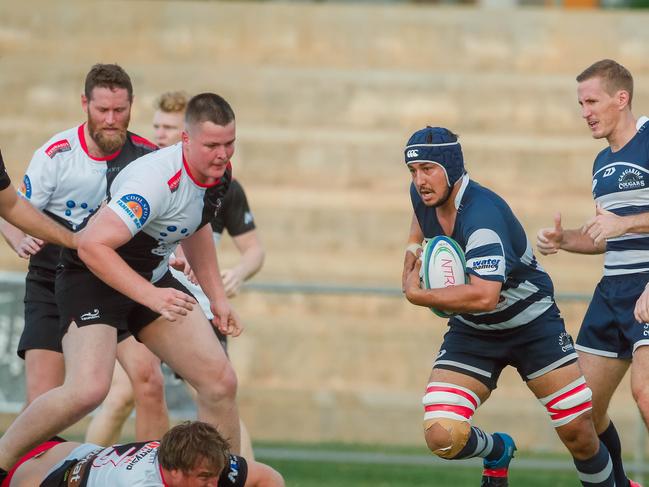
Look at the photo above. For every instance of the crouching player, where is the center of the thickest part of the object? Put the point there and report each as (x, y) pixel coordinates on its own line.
(189, 454)
(505, 315)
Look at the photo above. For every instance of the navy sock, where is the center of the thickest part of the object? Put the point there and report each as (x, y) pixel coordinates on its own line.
(596, 471)
(612, 441)
(483, 445)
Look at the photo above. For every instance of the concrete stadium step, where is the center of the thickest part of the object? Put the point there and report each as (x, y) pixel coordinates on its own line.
(325, 98)
(409, 37)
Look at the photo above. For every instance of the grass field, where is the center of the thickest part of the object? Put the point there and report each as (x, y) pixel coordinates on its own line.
(327, 465)
(318, 474)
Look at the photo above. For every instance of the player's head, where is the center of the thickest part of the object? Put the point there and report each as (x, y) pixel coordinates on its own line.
(434, 157)
(208, 137)
(107, 98)
(193, 454)
(605, 93)
(169, 117)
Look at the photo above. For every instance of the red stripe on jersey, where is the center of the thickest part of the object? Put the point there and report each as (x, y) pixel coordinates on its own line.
(198, 183)
(58, 146)
(571, 392)
(84, 146)
(556, 414)
(461, 410)
(174, 182)
(137, 140)
(453, 390)
(28, 456)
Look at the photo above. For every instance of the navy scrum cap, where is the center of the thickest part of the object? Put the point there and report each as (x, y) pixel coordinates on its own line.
(437, 145)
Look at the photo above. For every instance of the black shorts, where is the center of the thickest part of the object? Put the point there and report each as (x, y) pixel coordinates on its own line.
(41, 330)
(533, 349)
(87, 300)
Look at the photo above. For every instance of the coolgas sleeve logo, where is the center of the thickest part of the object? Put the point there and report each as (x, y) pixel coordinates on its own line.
(26, 187)
(136, 207)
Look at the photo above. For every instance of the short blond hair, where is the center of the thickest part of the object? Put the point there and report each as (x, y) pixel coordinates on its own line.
(172, 102)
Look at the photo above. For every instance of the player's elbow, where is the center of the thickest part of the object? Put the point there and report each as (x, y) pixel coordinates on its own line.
(486, 302)
(87, 250)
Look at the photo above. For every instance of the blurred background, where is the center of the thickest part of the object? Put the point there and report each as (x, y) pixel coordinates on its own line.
(326, 94)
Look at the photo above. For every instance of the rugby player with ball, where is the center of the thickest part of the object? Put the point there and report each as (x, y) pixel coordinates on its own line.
(501, 313)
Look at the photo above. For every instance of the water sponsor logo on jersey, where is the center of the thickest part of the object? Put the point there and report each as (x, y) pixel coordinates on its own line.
(486, 265)
(565, 341)
(136, 207)
(90, 315)
(631, 178)
(26, 187)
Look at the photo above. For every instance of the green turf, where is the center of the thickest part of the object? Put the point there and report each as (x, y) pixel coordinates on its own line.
(320, 474)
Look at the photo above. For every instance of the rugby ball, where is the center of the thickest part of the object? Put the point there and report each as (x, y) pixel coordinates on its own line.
(443, 265)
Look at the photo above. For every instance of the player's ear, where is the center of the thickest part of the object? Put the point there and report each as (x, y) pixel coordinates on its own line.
(84, 102)
(623, 98)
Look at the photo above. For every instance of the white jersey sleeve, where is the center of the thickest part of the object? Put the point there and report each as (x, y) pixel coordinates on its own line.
(138, 195)
(40, 180)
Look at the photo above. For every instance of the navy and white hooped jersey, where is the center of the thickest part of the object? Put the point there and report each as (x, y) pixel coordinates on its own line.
(621, 185)
(496, 249)
(161, 204)
(68, 184)
(127, 465)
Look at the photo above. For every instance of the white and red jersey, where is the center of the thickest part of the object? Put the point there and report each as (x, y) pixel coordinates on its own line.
(68, 184)
(127, 465)
(162, 203)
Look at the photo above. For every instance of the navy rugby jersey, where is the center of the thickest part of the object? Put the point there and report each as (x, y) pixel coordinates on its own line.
(68, 184)
(161, 203)
(496, 249)
(621, 185)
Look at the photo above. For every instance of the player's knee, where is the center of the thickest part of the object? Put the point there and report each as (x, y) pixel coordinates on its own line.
(85, 399)
(148, 385)
(120, 402)
(447, 420)
(218, 384)
(640, 391)
(570, 412)
(446, 437)
(579, 436)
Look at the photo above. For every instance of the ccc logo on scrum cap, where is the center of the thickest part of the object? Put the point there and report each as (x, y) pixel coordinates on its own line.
(412, 153)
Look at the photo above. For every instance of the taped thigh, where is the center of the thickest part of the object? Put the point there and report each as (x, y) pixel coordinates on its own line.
(450, 407)
(569, 402)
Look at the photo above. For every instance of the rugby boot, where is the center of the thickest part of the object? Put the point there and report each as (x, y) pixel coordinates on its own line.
(495, 471)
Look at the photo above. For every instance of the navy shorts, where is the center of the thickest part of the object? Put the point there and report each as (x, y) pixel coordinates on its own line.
(87, 300)
(535, 349)
(609, 328)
